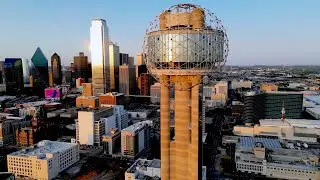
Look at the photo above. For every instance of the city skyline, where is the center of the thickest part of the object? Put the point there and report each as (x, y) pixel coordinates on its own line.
(264, 33)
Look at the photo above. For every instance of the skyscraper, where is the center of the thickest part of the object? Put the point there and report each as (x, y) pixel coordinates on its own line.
(80, 67)
(183, 44)
(39, 69)
(140, 60)
(99, 48)
(13, 73)
(127, 79)
(26, 71)
(56, 69)
(114, 62)
(131, 61)
(124, 58)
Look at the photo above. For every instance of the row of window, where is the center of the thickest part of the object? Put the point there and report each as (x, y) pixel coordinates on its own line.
(291, 170)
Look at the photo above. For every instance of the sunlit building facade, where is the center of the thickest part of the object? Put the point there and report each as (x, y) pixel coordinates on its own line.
(114, 62)
(26, 71)
(99, 48)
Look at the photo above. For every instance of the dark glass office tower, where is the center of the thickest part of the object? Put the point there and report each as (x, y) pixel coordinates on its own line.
(13, 74)
(39, 69)
(56, 69)
(81, 66)
(124, 59)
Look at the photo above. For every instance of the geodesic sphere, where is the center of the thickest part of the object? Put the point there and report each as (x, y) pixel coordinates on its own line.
(185, 40)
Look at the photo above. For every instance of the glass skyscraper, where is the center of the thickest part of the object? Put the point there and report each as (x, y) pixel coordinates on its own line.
(26, 72)
(114, 63)
(39, 69)
(99, 48)
(56, 69)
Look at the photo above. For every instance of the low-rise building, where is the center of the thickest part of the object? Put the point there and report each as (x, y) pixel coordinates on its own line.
(144, 169)
(44, 160)
(112, 98)
(8, 127)
(111, 141)
(87, 101)
(266, 157)
(26, 136)
(135, 138)
(289, 129)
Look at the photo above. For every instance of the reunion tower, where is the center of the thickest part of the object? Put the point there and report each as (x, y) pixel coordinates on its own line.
(185, 43)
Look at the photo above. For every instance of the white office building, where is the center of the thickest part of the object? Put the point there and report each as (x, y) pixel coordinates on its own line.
(92, 124)
(43, 161)
(135, 138)
(99, 49)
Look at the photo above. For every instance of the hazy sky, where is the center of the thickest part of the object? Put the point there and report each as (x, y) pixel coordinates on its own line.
(260, 31)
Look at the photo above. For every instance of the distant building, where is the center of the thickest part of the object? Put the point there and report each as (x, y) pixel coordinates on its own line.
(121, 115)
(266, 157)
(39, 69)
(241, 84)
(79, 82)
(99, 48)
(87, 89)
(14, 73)
(140, 69)
(144, 169)
(111, 141)
(113, 98)
(290, 129)
(131, 61)
(127, 79)
(92, 124)
(87, 102)
(124, 58)
(26, 136)
(114, 63)
(144, 84)
(26, 72)
(81, 67)
(56, 69)
(155, 93)
(135, 138)
(140, 59)
(44, 161)
(268, 105)
(268, 87)
(8, 127)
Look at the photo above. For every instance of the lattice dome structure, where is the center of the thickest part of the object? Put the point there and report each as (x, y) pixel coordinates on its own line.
(185, 39)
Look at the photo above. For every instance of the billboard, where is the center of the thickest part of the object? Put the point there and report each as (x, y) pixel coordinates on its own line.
(52, 93)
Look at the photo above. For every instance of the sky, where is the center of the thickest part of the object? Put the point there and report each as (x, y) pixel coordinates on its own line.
(261, 32)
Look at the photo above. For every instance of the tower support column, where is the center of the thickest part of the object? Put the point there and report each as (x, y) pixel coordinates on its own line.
(165, 126)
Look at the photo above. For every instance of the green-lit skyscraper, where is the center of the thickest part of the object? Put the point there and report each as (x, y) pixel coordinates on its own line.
(39, 69)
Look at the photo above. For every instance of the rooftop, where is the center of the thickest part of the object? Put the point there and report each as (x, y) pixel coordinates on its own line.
(43, 147)
(113, 94)
(134, 127)
(249, 142)
(142, 164)
(291, 122)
